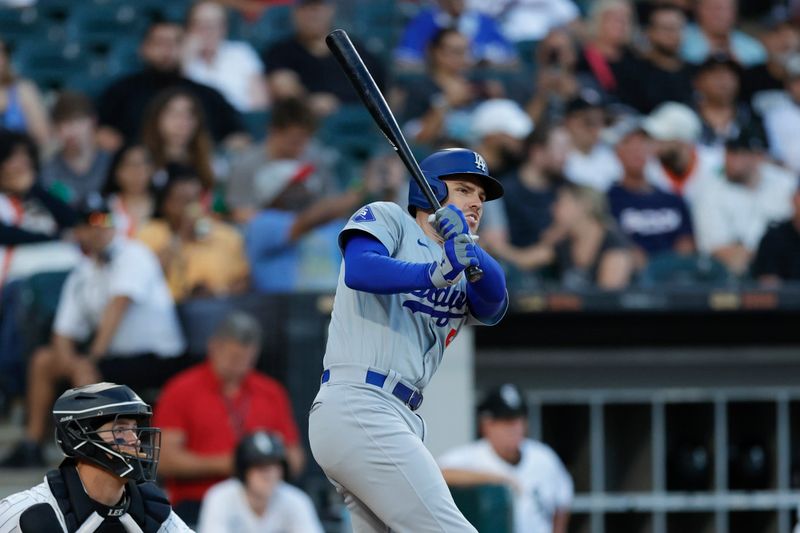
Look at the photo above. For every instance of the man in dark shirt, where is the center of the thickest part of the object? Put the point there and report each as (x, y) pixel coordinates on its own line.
(302, 64)
(656, 221)
(778, 256)
(122, 105)
(762, 82)
(664, 76)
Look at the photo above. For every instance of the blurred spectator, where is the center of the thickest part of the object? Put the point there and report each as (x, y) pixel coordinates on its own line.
(257, 499)
(206, 409)
(303, 66)
(130, 189)
(292, 243)
(606, 61)
(556, 81)
(115, 322)
(438, 106)
(764, 83)
(231, 67)
(778, 255)
(715, 33)
(717, 82)
(662, 75)
(732, 214)
(679, 166)
(594, 252)
(499, 128)
(123, 103)
(528, 20)
(23, 109)
(782, 121)
(486, 41)
(289, 138)
(590, 162)
(31, 220)
(174, 131)
(541, 485)
(515, 228)
(656, 221)
(79, 167)
(200, 256)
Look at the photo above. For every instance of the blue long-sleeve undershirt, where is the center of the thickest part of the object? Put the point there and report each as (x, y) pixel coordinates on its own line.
(368, 267)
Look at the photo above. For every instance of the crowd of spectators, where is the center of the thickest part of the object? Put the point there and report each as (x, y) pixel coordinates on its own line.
(635, 140)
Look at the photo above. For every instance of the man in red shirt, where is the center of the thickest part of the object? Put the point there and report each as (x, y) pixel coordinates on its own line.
(205, 410)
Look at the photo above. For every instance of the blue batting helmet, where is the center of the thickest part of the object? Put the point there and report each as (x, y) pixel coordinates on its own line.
(449, 163)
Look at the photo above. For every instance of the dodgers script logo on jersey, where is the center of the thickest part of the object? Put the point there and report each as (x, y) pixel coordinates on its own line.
(445, 304)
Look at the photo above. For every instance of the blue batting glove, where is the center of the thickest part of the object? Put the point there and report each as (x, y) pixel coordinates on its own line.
(449, 221)
(458, 253)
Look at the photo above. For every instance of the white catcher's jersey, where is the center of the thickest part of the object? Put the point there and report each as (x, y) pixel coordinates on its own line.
(12, 507)
(405, 332)
(545, 485)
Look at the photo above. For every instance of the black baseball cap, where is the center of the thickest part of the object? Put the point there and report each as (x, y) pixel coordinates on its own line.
(751, 138)
(585, 99)
(94, 211)
(503, 402)
(719, 60)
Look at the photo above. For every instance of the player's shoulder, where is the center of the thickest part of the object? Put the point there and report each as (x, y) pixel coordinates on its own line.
(227, 489)
(293, 496)
(375, 211)
(464, 452)
(12, 506)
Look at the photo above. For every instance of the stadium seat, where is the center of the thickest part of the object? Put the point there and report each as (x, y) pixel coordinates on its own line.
(123, 57)
(20, 25)
(50, 64)
(377, 25)
(97, 27)
(687, 271)
(39, 295)
(199, 318)
(352, 131)
(256, 123)
(274, 25)
(487, 507)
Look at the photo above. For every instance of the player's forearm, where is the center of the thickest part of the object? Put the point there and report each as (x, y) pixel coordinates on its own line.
(458, 478)
(369, 268)
(560, 521)
(487, 296)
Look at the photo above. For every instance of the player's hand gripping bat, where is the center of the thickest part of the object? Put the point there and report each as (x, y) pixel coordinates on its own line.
(350, 61)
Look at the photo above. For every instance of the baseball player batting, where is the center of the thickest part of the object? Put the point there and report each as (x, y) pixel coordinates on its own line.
(401, 299)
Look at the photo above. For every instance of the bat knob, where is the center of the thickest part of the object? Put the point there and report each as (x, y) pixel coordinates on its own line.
(474, 274)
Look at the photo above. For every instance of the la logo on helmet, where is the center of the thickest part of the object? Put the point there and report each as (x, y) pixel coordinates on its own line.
(480, 163)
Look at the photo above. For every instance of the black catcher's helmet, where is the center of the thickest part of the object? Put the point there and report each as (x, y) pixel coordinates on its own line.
(127, 451)
(259, 448)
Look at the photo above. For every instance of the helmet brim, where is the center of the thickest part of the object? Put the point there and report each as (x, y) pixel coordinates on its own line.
(492, 188)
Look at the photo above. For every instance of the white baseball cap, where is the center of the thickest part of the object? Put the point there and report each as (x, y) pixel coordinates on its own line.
(500, 115)
(275, 176)
(672, 121)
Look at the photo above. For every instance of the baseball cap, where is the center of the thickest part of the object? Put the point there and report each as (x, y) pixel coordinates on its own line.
(275, 176)
(625, 126)
(504, 401)
(751, 138)
(719, 60)
(672, 121)
(587, 98)
(500, 115)
(93, 210)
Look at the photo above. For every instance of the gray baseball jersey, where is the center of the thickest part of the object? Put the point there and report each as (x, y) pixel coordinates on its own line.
(405, 332)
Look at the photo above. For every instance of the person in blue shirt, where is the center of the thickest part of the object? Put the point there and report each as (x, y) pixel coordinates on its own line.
(291, 244)
(656, 221)
(488, 44)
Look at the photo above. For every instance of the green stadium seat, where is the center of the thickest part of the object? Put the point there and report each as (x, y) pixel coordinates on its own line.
(123, 58)
(256, 123)
(20, 25)
(39, 300)
(487, 507)
(50, 64)
(97, 27)
(352, 131)
(274, 25)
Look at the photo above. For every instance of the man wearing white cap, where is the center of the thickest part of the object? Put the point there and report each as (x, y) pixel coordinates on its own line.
(679, 165)
(498, 128)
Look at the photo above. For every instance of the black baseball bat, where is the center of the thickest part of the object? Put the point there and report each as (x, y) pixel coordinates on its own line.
(346, 54)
